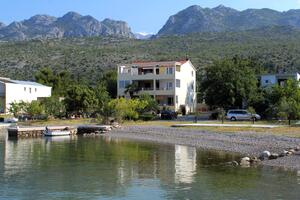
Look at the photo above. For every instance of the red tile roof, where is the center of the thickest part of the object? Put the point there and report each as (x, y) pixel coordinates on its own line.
(159, 62)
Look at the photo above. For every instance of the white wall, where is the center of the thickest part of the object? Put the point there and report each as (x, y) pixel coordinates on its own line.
(186, 94)
(17, 93)
(267, 80)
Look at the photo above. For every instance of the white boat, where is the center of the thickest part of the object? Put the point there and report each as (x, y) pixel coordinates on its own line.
(49, 132)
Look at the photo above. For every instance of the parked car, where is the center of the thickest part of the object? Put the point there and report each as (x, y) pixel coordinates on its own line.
(235, 115)
(168, 114)
(11, 120)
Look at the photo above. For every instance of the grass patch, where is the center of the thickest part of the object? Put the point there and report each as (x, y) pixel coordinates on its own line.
(279, 131)
(58, 122)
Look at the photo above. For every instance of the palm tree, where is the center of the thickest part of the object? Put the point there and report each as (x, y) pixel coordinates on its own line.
(131, 89)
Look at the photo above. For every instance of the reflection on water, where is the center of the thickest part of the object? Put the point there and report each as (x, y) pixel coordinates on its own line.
(185, 164)
(105, 168)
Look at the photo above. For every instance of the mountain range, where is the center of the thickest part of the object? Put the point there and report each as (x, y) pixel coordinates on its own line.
(71, 24)
(193, 19)
(220, 19)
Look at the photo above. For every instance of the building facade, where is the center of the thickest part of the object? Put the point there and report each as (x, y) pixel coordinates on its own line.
(277, 79)
(172, 83)
(17, 91)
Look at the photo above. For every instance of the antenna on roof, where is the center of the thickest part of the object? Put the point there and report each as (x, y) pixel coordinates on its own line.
(186, 57)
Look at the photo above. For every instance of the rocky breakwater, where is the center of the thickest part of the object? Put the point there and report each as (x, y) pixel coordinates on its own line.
(88, 130)
(266, 155)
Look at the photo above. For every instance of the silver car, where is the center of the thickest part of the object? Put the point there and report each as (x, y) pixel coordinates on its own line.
(234, 115)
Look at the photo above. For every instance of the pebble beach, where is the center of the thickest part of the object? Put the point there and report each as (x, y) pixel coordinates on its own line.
(245, 143)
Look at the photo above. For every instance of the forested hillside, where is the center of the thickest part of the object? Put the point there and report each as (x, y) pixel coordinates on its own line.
(276, 48)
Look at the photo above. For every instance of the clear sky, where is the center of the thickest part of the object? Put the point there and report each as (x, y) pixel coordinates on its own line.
(142, 15)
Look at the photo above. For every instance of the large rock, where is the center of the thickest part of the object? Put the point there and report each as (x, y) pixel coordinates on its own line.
(70, 25)
(196, 19)
(273, 156)
(264, 155)
(245, 162)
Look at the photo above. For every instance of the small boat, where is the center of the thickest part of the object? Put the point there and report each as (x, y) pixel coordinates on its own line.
(49, 132)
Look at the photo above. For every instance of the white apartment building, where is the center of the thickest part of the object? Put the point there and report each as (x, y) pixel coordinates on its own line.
(171, 83)
(17, 91)
(279, 79)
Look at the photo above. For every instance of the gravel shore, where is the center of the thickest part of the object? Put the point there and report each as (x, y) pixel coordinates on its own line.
(247, 144)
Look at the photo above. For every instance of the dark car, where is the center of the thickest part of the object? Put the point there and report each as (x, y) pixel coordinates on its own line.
(168, 115)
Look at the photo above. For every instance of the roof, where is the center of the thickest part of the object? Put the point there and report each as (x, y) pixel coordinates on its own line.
(281, 74)
(28, 83)
(7, 80)
(144, 63)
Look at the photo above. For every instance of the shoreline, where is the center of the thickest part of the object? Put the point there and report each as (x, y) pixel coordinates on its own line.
(244, 143)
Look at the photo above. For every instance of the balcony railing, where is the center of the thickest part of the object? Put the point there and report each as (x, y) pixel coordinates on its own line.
(146, 89)
(151, 89)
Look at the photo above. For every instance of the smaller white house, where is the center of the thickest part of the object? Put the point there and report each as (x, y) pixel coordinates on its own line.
(17, 91)
(277, 79)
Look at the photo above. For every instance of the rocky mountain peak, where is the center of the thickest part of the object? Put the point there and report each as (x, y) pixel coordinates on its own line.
(221, 18)
(2, 25)
(222, 8)
(71, 16)
(40, 20)
(71, 24)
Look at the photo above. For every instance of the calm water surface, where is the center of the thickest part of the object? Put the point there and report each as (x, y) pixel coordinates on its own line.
(102, 168)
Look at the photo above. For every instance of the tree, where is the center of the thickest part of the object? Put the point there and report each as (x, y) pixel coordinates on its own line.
(151, 103)
(17, 107)
(80, 99)
(126, 108)
(285, 101)
(131, 89)
(58, 81)
(103, 100)
(45, 76)
(54, 107)
(110, 79)
(34, 108)
(229, 83)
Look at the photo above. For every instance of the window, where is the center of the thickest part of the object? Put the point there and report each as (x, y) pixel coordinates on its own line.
(169, 85)
(170, 101)
(157, 71)
(176, 98)
(157, 85)
(123, 84)
(24, 89)
(127, 83)
(192, 86)
(35, 89)
(192, 73)
(266, 81)
(178, 83)
(30, 90)
(178, 68)
(170, 70)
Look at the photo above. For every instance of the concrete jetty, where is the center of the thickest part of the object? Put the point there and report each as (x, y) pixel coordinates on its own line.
(36, 131)
(75, 130)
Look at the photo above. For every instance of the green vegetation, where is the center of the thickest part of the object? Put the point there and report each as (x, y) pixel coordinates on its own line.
(83, 70)
(86, 59)
(83, 100)
(230, 83)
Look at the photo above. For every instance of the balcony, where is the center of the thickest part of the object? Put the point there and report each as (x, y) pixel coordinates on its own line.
(152, 91)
